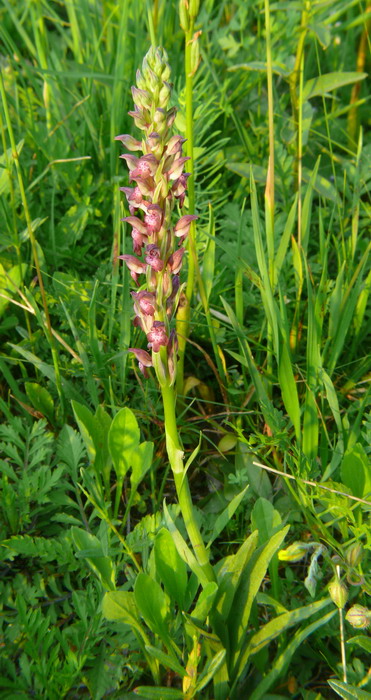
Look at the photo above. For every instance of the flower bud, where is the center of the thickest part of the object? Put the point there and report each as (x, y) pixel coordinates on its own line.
(194, 6)
(295, 552)
(164, 95)
(338, 592)
(141, 98)
(195, 53)
(353, 555)
(183, 15)
(359, 617)
(140, 118)
(140, 80)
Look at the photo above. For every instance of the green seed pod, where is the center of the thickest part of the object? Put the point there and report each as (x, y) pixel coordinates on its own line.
(359, 617)
(295, 552)
(338, 592)
(354, 554)
(195, 54)
(194, 6)
(183, 16)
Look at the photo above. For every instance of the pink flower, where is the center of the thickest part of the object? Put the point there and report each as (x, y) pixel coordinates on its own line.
(153, 257)
(139, 240)
(177, 167)
(146, 302)
(179, 188)
(145, 167)
(133, 195)
(131, 161)
(157, 336)
(135, 266)
(175, 145)
(182, 227)
(136, 223)
(153, 218)
(144, 359)
(175, 261)
(129, 142)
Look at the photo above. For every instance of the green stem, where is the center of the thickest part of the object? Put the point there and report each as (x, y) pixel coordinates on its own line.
(175, 454)
(184, 330)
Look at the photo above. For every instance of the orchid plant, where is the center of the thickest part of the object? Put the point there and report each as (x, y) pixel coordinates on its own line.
(160, 185)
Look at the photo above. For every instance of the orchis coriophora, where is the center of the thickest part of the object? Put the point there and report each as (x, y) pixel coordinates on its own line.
(159, 183)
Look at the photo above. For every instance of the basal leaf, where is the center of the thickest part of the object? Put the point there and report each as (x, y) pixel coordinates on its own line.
(123, 439)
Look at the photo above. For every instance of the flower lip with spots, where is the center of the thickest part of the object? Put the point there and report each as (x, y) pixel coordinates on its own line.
(153, 258)
(157, 336)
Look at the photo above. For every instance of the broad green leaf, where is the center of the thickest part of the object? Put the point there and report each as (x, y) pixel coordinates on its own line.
(123, 439)
(361, 641)
(349, 692)
(183, 549)
(7, 277)
(244, 169)
(322, 33)
(166, 660)
(158, 693)
(265, 519)
(40, 399)
(278, 666)
(170, 567)
(227, 514)
(330, 81)
(103, 460)
(205, 601)
(322, 186)
(4, 173)
(278, 68)
(87, 425)
(210, 670)
(257, 478)
(248, 588)
(102, 565)
(141, 462)
(153, 605)
(356, 471)
(275, 627)
(120, 606)
(230, 573)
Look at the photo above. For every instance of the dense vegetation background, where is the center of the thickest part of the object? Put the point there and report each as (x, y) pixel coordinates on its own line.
(277, 368)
